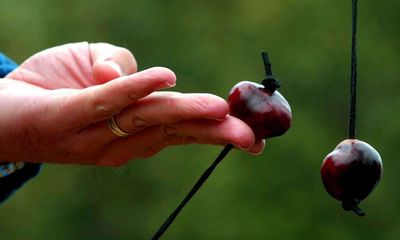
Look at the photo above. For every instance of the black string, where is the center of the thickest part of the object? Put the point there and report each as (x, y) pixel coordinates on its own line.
(191, 193)
(267, 64)
(353, 78)
(269, 82)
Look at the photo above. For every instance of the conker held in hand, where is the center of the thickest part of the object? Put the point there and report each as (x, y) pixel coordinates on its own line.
(351, 172)
(263, 108)
(266, 112)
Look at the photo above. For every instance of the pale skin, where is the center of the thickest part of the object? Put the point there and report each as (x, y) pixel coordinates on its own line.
(55, 106)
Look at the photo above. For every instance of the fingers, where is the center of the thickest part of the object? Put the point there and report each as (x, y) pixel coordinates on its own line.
(230, 130)
(110, 62)
(151, 140)
(101, 102)
(258, 148)
(169, 107)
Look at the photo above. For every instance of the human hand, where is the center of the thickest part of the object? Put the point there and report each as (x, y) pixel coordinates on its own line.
(55, 107)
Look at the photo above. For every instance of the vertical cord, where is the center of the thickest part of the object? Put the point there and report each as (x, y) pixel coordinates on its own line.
(269, 82)
(353, 78)
(267, 64)
(191, 193)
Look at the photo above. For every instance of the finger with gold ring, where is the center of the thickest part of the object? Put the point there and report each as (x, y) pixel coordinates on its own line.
(112, 124)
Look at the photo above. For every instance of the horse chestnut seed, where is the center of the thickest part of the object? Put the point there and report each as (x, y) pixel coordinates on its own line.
(263, 108)
(351, 172)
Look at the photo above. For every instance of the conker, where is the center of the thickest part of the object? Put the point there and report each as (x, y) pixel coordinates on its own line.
(263, 108)
(351, 172)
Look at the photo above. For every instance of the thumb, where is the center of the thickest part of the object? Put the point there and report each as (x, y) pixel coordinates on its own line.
(104, 71)
(111, 62)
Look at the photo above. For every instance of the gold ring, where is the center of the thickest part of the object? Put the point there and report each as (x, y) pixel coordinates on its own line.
(112, 124)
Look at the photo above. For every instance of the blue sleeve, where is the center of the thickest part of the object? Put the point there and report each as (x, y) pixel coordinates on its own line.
(12, 182)
(6, 65)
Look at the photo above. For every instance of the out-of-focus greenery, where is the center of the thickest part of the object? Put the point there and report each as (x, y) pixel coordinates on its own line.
(211, 45)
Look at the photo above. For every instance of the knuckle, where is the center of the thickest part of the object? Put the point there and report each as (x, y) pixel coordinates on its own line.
(200, 105)
(104, 108)
(169, 131)
(210, 104)
(138, 122)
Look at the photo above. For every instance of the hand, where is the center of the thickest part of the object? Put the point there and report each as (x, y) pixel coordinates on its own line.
(55, 106)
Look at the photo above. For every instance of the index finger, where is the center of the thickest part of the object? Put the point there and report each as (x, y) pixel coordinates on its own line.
(101, 102)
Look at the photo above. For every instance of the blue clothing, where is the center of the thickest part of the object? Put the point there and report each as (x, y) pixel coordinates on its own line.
(6, 65)
(12, 182)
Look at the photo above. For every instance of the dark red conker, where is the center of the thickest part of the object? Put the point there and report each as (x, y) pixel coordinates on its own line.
(266, 112)
(351, 172)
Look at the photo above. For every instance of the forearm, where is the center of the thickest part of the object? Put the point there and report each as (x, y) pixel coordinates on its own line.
(12, 175)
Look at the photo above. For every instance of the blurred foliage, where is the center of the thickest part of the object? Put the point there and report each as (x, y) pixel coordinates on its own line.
(211, 45)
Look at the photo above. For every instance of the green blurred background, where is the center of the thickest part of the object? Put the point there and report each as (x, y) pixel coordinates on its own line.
(211, 45)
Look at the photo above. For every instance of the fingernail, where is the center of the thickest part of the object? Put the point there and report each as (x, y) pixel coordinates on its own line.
(258, 148)
(166, 85)
(255, 153)
(114, 66)
(170, 83)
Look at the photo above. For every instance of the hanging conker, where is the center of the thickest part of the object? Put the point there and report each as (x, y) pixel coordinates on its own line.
(351, 172)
